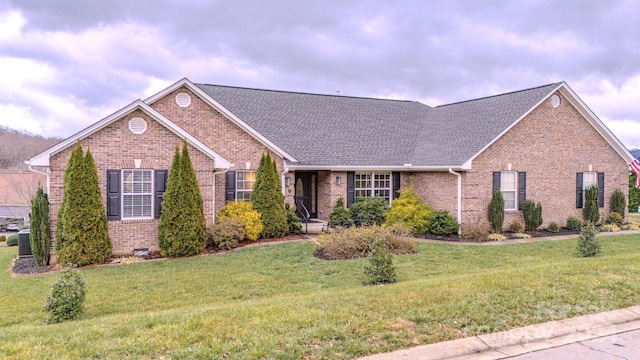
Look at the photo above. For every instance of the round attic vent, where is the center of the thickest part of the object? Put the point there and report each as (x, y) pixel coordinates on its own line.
(137, 125)
(555, 101)
(183, 99)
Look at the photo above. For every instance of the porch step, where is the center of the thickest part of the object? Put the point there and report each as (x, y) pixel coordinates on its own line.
(314, 227)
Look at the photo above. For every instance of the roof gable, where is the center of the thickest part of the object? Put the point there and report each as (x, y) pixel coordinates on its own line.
(42, 159)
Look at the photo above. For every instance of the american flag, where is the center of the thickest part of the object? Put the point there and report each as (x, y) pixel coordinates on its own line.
(635, 167)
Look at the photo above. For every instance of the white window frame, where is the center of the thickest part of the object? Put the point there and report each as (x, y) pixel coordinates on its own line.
(138, 194)
(369, 184)
(506, 190)
(242, 192)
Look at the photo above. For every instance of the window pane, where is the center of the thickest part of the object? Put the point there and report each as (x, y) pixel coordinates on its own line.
(245, 181)
(137, 193)
(508, 181)
(589, 179)
(509, 200)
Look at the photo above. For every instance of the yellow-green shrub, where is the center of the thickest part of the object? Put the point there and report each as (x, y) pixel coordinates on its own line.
(250, 218)
(408, 208)
(354, 243)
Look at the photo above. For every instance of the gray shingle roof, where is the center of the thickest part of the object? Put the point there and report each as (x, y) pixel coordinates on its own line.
(326, 130)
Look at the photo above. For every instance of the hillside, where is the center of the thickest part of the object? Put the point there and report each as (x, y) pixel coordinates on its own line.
(16, 147)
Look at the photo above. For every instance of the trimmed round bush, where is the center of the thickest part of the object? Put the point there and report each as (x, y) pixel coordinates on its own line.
(573, 223)
(250, 218)
(355, 242)
(516, 227)
(340, 215)
(613, 218)
(3, 238)
(66, 300)
(553, 227)
(225, 234)
(443, 223)
(409, 209)
(369, 211)
(12, 240)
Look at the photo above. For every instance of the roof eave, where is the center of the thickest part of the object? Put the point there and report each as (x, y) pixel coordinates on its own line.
(401, 168)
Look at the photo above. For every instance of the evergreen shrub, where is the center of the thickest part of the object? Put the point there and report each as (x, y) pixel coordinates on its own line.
(532, 214)
(340, 215)
(496, 211)
(475, 232)
(588, 243)
(40, 232)
(12, 240)
(369, 211)
(409, 209)
(268, 200)
(3, 238)
(66, 300)
(380, 269)
(618, 202)
(590, 210)
(573, 223)
(251, 219)
(226, 233)
(613, 218)
(293, 221)
(634, 193)
(443, 223)
(553, 227)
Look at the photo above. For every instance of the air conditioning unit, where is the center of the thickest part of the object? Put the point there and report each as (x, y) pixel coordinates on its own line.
(24, 244)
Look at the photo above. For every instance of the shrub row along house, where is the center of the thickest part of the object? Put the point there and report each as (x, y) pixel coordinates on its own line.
(542, 144)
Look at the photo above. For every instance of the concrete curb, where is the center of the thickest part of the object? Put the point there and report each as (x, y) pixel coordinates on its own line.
(525, 339)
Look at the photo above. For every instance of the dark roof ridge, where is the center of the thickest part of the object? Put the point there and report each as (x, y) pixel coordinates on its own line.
(501, 94)
(308, 93)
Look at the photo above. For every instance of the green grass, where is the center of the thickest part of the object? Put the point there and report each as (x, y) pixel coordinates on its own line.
(280, 302)
(634, 218)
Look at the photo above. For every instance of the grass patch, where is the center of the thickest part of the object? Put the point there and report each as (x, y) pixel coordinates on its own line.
(634, 218)
(280, 302)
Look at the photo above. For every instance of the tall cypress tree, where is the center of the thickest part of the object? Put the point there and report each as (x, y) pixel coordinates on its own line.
(75, 161)
(85, 237)
(268, 199)
(40, 235)
(182, 229)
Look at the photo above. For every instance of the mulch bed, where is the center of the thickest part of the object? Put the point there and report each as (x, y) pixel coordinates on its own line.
(457, 238)
(27, 266)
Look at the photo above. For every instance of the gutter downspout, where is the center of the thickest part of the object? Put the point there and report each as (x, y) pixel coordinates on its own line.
(459, 197)
(282, 175)
(47, 174)
(214, 191)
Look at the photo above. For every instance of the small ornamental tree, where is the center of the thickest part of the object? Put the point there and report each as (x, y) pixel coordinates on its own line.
(268, 200)
(84, 238)
(618, 202)
(532, 214)
(588, 243)
(40, 233)
(66, 300)
(182, 229)
(591, 211)
(496, 211)
(634, 193)
(380, 269)
(408, 208)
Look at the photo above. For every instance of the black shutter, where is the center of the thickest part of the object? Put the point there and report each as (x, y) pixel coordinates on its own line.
(161, 187)
(113, 194)
(522, 189)
(396, 185)
(600, 189)
(351, 188)
(496, 180)
(579, 185)
(230, 186)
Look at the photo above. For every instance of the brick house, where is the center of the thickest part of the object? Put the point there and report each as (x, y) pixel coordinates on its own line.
(542, 144)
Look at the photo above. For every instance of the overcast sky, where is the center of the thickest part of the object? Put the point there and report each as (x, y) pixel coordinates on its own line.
(67, 64)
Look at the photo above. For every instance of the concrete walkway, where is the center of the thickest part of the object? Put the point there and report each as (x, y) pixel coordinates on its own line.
(505, 344)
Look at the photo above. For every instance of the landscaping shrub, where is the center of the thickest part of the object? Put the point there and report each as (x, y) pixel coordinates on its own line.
(369, 211)
(226, 233)
(409, 209)
(3, 238)
(353, 243)
(588, 243)
(12, 240)
(532, 214)
(496, 237)
(474, 232)
(340, 216)
(380, 269)
(496, 211)
(40, 232)
(618, 202)
(293, 221)
(613, 218)
(634, 193)
(82, 237)
(182, 229)
(630, 226)
(443, 223)
(553, 227)
(251, 219)
(268, 200)
(66, 300)
(521, 236)
(515, 227)
(609, 228)
(573, 223)
(591, 211)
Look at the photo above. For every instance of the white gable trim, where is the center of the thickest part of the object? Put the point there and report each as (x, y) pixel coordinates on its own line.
(586, 113)
(42, 159)
(226, 113)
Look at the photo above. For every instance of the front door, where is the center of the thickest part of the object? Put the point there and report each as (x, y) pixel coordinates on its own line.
(306, 194)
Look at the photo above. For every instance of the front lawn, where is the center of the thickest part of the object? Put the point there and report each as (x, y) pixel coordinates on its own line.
(280, 302)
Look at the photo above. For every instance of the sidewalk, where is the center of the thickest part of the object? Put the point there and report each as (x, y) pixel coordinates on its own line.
(523, 340)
